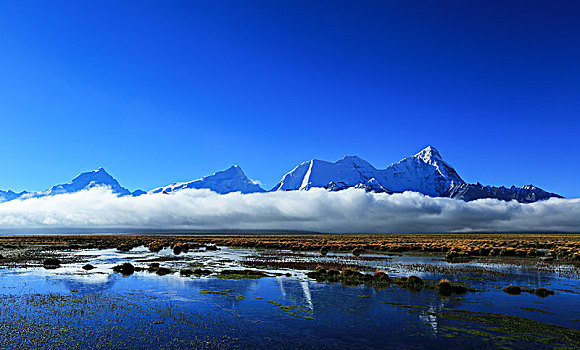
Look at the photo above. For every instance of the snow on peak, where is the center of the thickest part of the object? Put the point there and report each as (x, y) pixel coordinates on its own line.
(99, 174)
(234, 170)
(429, 154)
(83, 181)
(424, 172)
(9, 195)
(347, 172)
(96, 178)
(232, 179)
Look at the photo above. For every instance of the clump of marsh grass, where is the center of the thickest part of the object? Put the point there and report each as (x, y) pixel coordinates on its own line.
(516, 290)
(126, 269)
(513, 290)
(444, 287)
(51, 263)
(88, 267)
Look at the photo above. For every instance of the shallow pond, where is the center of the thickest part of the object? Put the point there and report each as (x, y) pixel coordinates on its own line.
(102, 309)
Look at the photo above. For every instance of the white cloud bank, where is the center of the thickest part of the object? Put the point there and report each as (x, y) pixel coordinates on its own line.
(348, 211)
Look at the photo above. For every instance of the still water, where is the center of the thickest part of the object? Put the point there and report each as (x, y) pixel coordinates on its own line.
(70, 307)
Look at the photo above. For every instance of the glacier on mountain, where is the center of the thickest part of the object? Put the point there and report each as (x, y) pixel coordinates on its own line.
(231, 180)
(347, 172)
(84, 181)
(425, 172)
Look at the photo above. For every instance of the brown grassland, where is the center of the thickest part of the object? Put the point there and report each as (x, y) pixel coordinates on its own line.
(560, 247)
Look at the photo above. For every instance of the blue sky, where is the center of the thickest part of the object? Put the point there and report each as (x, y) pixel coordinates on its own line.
(158, 92)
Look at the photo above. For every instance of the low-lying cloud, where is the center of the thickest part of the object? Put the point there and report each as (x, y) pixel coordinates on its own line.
(348, 211)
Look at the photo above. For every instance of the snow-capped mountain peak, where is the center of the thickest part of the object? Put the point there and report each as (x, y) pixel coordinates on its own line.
(83, 181)
(353, 160)
(9, 195)
(346, 172)
(232, 179)
(234, 170)
(424, 172)
(429, 154)
(96, 178)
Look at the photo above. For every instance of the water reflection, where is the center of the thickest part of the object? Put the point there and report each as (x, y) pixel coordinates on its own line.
(301, 309)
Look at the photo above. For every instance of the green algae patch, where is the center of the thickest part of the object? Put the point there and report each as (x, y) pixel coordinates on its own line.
(300, 308)
(471, 331)
(226, 293)
(60, 321)
(509, 328)
(299, 311)
(207, 291)
(241, 274)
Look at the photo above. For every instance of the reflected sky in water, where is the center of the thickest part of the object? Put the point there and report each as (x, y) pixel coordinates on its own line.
(297, 311)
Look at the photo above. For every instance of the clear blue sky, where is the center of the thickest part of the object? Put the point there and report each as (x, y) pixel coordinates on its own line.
(166, 91)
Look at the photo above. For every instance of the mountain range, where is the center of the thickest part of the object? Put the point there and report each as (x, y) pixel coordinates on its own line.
(425, 172)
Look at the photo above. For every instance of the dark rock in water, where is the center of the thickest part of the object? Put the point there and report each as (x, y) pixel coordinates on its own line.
(125, 269)
(211, 247)
(381, 276)
(162, 271)
(350, 273)
(459, 289)
(444, 288)
(88, 267)
(357, 251)
(196, 272)
(124, 247)
(51, 263)
(202, 272)
(415, 282)
(516, 290)
(543, 292)
(186, 272)
(513, 290)
(525, 194)
(314, 274)
(155, 247)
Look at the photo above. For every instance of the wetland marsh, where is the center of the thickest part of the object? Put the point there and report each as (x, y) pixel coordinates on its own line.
(289, 291)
